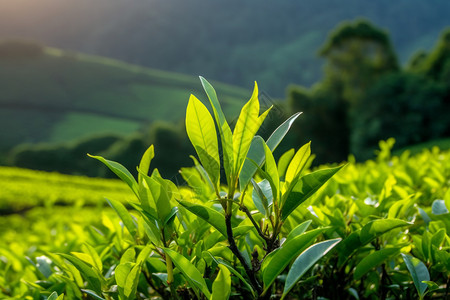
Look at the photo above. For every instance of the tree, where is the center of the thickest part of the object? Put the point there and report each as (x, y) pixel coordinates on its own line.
(357, 55)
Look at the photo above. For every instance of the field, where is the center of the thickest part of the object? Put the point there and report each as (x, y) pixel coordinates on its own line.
(47, 215)
(76, 95)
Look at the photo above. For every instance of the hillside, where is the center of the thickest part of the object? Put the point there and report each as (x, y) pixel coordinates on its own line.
(273, 42)
(49, 95)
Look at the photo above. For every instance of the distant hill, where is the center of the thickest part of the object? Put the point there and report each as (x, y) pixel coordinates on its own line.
(233, 41)
(50, 95)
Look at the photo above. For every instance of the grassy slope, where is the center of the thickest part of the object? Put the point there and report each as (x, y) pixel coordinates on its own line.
(60, 96)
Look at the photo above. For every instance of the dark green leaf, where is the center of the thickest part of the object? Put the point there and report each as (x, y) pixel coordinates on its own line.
(418, 272)
(305, 261)
(373, 260)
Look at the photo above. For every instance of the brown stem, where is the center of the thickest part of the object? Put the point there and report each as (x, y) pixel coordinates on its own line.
(258, 229)
(238, 254)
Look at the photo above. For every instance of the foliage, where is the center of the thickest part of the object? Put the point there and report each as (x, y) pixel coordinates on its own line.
(373, 230)
(364, 91)
(420, 102)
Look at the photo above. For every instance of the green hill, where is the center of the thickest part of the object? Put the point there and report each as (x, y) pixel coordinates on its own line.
(50, 95)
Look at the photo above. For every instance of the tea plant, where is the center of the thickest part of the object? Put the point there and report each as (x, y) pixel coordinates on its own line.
(239, 226)
(247, 216)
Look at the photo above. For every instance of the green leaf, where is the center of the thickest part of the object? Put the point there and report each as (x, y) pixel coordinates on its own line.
(158, 195)
(283, 162)
(190, 272)
(278, 135)
(127, 277)
(438, 207)
(95, 258)
(213, 217)
(232, 270)
(299, 229)
(375, 228)
(246, 127)
(373, 260)
(124, 215)
(221, 288)
(256, 154)
(418, 272)
(286, 253)
(121, 172)
(202, 134)
(305, 187)
(305, 261)
(92, 294)
(53, 296)
(224, 129)
(272, 172)
(262, 196)
(87, 272)
(256, 151)
(144, 165)
(298, 163)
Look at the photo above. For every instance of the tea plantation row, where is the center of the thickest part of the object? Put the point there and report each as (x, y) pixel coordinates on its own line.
(390, 214)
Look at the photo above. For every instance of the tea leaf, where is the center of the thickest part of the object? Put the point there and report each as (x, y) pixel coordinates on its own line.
(89, 275)
(286, 253)
(202, 134)
(224, 129)
(213, 217)
(246, 127)
(419, 273)
(190, 272)
(305, 187)
(373, 260)
(256, 151)
(124, 215)
(305, 261)
(144, 165)
(221, 287)
(298, 163)
(120, 171)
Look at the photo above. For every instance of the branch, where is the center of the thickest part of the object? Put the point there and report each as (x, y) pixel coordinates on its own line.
(238, 254)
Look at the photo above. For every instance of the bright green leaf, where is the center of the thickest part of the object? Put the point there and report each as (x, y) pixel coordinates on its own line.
(144, 165)
(120, 171)
(213, 217)
(224, 129)
(89, 275)
(298, 163)
(124, 215)
(202, 134)
(305, 187)
(221, 288)
(190, 272)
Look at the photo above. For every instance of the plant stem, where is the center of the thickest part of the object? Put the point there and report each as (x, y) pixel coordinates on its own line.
(238, 254)
(258, 229)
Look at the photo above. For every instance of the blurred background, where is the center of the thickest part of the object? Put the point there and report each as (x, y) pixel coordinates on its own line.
(111, 77)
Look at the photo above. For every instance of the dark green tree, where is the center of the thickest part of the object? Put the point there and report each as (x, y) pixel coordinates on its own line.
(357, 54)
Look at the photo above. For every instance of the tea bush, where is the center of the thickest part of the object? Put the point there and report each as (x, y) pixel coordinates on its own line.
(377, 230)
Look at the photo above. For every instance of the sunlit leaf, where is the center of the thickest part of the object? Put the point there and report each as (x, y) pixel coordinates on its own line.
(221, 288)
(190, 272)
(202, 134)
